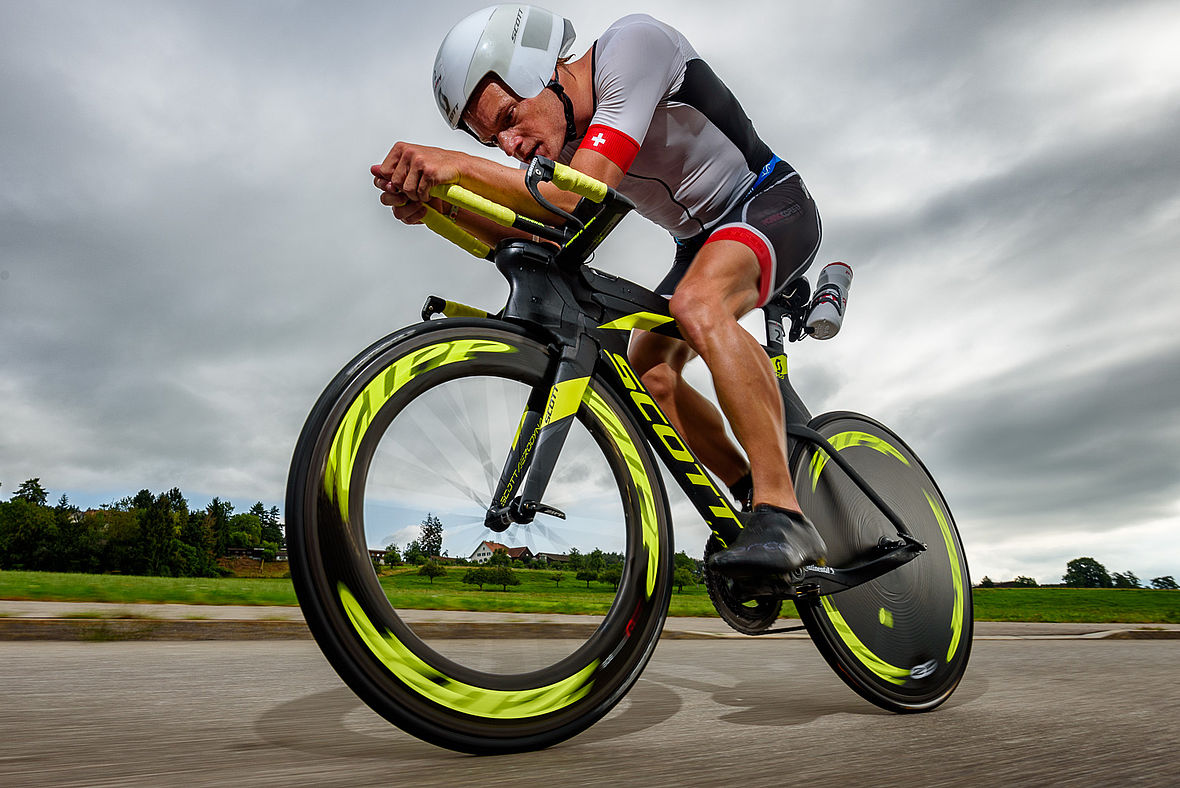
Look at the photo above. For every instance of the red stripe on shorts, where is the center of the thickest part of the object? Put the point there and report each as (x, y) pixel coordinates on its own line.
(744, 235)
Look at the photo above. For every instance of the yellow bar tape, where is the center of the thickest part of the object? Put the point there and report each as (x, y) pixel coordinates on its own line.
(571, 180)
(455, 309)
(457, 195)
(455, 234)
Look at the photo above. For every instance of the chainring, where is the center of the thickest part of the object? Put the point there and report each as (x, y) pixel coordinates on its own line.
(752, 617)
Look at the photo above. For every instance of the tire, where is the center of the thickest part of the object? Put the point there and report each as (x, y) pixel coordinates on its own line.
(391, 434)
(901, 641)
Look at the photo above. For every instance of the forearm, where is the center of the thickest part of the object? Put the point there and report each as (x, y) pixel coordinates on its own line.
(506, 186)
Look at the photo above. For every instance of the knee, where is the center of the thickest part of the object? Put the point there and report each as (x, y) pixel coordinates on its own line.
(697, 315)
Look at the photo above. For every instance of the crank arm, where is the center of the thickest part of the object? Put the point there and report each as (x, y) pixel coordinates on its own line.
(824, 580)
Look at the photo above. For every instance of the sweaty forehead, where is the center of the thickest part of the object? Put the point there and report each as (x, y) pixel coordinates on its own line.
(487, 101)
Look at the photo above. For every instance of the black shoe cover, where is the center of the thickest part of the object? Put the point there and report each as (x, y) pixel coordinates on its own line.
(774, 541)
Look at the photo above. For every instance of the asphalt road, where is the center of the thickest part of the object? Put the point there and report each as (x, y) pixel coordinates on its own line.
(734, 713)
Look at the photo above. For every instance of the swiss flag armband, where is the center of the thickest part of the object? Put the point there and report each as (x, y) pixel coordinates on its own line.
(612, 143)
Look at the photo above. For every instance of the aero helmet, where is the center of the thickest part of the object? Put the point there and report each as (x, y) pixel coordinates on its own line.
(520, 44)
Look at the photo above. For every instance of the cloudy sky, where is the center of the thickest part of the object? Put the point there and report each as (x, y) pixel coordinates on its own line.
(190, 244)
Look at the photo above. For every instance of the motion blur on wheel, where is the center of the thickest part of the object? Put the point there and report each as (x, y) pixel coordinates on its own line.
(422, 423)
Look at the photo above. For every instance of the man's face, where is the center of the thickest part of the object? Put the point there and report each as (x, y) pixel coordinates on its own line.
(521, 128)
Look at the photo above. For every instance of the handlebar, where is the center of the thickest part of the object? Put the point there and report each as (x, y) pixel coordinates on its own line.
(541, 169)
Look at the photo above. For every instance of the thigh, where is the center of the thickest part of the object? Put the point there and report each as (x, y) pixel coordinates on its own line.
(780, 225)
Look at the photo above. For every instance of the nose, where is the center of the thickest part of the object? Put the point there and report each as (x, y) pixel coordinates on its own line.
(510, 143)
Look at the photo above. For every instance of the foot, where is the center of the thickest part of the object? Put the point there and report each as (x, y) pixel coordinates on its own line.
(774, 541)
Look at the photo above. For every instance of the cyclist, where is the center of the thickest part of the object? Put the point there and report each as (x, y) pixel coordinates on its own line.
(644, 113)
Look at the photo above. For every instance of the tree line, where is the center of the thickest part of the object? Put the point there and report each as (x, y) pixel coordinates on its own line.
(1086, 572)
(143, 534)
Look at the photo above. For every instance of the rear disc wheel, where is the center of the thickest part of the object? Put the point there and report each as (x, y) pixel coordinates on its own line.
(901, 641)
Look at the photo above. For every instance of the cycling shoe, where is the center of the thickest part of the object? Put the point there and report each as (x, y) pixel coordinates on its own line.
(774, 541)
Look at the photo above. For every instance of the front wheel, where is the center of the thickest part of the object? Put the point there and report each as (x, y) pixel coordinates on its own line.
(902, 640)
(419, 427)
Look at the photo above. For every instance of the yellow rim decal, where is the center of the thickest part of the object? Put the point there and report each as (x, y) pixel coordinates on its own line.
(456, 695)
(891, 673)
(957, 615)
(338, 471)
(647, 508)
(644, 320)
(846, 440)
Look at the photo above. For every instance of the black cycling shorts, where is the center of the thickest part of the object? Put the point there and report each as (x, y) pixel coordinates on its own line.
(778, 221)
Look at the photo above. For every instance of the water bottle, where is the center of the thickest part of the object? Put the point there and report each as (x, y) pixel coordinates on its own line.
(831, 297)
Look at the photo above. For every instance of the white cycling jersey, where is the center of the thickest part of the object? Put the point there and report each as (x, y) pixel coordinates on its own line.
(688, 150)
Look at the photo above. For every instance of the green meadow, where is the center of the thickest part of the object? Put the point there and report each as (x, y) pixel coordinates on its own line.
(538, 593)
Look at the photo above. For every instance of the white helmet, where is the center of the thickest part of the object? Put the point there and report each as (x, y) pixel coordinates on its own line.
(520, 44)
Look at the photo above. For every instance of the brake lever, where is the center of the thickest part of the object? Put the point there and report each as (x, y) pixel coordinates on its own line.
(542, 169)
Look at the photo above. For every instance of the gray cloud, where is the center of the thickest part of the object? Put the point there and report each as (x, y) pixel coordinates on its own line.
(190, 245)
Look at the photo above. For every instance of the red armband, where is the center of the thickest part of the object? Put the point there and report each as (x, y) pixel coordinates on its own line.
(612, 143)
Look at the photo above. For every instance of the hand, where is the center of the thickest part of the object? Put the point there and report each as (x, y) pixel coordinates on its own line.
(404, 209)
(413, 170)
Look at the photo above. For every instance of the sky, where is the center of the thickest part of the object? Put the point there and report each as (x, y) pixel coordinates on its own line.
(191, 245)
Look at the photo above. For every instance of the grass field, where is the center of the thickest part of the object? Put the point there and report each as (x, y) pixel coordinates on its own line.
(538, 594)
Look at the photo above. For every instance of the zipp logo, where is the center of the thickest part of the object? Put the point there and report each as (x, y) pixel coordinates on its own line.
(923, 670)
(670, 440)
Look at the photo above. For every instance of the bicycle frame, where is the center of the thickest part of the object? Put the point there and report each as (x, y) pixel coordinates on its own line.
(586, 316)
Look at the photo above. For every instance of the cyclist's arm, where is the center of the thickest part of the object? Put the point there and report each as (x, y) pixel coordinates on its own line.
(412, 170)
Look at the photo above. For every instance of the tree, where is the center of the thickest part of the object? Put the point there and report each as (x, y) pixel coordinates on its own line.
(1165, 583)
(587, 575)
(500, 558)
(157, 533)
(269, 521)
(1085, 572)
(392, 556)
(142, 499)
(219, 512)
(683, 560)
(1125, 579)
(680, 578)
(576, 558)
(987, 582)
(595, 561)
(28, 532)
(476, 577)
(557, 577)
(414, 554)
(502, 576)
(432, 570)
(245, 530)
(32, 492)
(432, 535)
(612, 575)
(196, 531)
(1025, 581)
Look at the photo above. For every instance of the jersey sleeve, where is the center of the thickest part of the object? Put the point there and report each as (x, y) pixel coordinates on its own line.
(637, 65)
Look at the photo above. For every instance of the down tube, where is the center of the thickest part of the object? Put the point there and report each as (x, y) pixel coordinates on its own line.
(712, 504)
